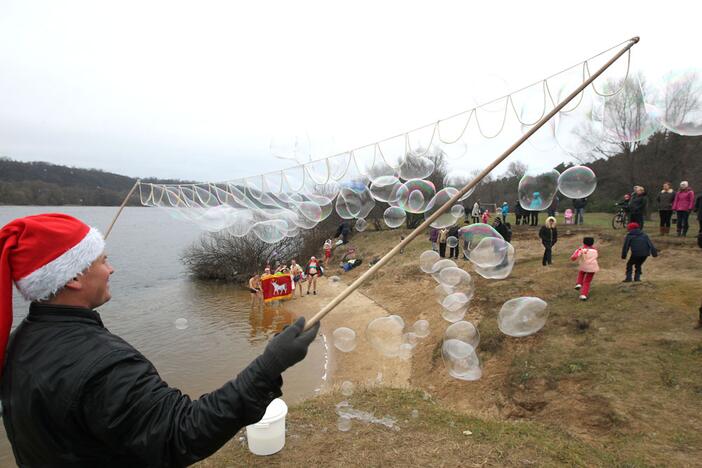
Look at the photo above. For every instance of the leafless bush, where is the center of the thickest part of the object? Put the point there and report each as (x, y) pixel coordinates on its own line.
(221, 256)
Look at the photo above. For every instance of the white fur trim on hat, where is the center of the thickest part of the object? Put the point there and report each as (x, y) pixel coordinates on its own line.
(42, 283)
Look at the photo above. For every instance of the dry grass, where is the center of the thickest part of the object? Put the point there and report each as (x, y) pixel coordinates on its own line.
(614, 381)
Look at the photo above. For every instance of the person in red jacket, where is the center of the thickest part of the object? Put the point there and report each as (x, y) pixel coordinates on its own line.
(683, 204)
(586, 256)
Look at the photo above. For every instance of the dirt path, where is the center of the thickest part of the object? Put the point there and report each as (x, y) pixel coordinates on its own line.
(364, 366)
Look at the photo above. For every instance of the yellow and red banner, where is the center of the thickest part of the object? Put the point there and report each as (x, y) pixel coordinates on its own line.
(276, 287)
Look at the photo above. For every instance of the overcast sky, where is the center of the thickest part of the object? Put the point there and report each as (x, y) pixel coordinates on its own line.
(198, 90)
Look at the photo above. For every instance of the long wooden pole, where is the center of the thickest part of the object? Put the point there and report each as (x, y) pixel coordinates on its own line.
(114, 220)
(388, 256)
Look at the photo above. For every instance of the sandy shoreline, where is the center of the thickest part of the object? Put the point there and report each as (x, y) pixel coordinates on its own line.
(364, 365)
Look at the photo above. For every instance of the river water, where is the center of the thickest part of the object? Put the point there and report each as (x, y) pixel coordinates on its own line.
(150, 290)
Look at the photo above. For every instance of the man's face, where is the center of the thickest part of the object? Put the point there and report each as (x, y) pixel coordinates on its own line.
(94, 282)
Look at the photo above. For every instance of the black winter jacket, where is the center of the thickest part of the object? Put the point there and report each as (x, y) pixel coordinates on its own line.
(639, 243)
(549, 236)
(74, 394)
(579, 203)
(637, 204)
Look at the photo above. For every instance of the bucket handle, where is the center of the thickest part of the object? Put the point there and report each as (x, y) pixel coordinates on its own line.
(262, 425)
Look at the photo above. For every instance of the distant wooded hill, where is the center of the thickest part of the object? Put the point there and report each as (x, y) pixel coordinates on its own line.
(41, 183)
(664, 157)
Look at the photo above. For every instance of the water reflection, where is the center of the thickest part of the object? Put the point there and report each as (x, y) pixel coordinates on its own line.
(269, 319)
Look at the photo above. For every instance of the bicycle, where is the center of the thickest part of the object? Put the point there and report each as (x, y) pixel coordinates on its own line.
(620, 219)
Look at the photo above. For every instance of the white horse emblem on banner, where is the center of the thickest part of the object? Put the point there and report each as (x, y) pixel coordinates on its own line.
(279, 288)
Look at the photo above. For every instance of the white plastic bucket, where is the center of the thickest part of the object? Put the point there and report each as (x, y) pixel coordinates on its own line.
(267, 436)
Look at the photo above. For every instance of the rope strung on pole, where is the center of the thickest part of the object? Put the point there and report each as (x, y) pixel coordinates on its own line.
(416, 232)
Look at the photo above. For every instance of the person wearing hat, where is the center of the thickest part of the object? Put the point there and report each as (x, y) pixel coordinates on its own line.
(683, 204)
(641, 247)
(74, 394)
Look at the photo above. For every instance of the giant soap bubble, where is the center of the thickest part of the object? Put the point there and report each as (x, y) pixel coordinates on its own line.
(452, 276)
(522, 316)
(344, 339)
(385, 334)
(385, 188)
(394, 217)
(577, 182)
(473, 234)
(461, 360)
(501, 271)
(626, 117)
(354, 202)
(489, 252)
(676, 101)
(537, 189)
(416, 167)
(448, 217)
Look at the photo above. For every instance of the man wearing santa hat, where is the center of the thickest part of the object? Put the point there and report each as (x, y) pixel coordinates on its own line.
(74, 394)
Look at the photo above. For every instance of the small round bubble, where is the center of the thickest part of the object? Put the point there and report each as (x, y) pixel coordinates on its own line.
(346, 388)
(394, 217)
(181, 323)
(344, 339)
(421, 328)
(452, 241)
(361, 225)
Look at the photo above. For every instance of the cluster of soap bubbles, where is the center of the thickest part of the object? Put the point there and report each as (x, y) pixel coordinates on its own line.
(387, 335)
(536, 189)
(455, 288)
(492, 256)
(344, 339)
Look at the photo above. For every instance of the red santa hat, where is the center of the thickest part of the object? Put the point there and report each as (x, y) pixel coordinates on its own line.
(40, 254)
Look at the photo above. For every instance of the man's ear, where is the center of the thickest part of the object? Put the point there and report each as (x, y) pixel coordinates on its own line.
(74, 284)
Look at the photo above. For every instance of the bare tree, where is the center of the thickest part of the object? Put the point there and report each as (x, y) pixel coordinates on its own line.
(516, 169)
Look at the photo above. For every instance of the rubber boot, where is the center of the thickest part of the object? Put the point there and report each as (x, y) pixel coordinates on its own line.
(662, 230)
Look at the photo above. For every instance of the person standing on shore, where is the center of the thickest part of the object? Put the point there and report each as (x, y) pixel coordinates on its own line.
(74, 394)
(683, 205)
(475, 213)
(549, 236)
(637, 206)
(665, 207)
(579, 205)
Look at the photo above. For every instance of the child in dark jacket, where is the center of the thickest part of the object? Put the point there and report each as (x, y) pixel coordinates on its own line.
(549, 236)
(641, 247)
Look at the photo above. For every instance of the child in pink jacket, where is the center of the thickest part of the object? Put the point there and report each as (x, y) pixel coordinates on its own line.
(586, 257)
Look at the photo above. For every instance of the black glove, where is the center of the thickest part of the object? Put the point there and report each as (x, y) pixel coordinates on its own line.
(288, 348)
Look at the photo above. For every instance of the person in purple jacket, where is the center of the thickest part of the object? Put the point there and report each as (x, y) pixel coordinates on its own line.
(683, 204)
(434, 238)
